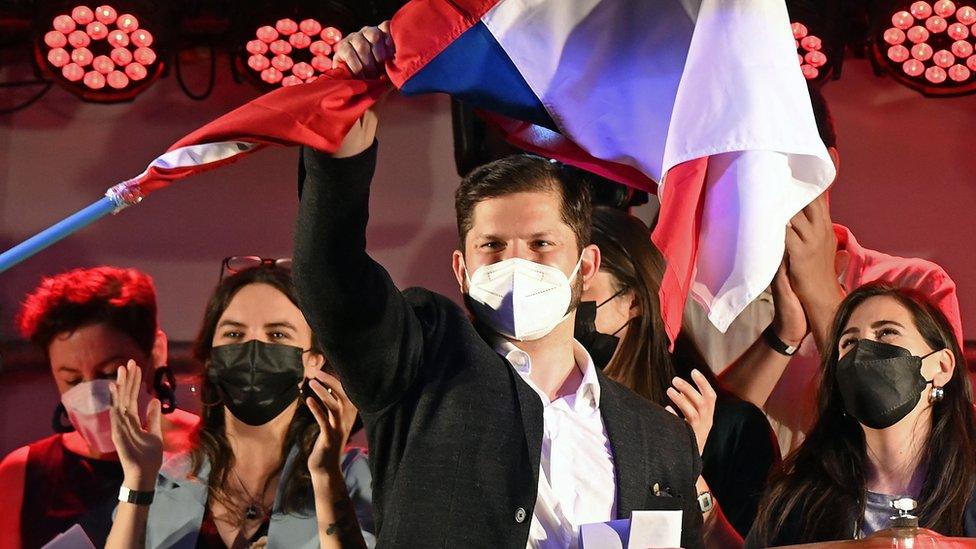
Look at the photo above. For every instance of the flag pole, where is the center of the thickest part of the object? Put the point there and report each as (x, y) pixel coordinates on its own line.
(116, 199)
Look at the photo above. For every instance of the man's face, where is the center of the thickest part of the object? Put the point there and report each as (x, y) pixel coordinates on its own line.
(527, 225)
(92, 352)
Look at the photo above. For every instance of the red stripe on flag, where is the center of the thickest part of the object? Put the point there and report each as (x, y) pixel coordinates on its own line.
(676, 235)
(317, 115)
(423, 28)
(545, 142)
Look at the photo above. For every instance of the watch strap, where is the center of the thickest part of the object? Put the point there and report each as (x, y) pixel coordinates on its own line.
(777, 344)
(135, 497)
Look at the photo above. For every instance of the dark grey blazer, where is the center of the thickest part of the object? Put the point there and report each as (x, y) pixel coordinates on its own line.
(454, 432)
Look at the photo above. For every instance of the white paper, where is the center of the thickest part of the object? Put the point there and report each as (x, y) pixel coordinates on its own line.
(72, 538)
(654, 529)
(604, 535)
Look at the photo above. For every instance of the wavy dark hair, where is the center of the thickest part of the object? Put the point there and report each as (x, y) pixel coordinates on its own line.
(643, 362)
(212, 444)
(821, 484)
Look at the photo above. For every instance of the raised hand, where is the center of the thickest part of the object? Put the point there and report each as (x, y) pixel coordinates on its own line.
(140, 447)
(789, 318)
(335, 421)
(697, 405)
(364, 52)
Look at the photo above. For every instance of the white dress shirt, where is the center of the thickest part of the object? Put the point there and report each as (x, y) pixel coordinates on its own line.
(577, 482)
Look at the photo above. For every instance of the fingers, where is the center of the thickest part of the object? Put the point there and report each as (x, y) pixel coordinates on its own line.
(688, 409)
(800, 225)
(153, 418)
(329, 397)
(704, 387)
(318, 413)
(670, 409)
(332, 382)
(365, 52)
(345, 53)
(134, 373)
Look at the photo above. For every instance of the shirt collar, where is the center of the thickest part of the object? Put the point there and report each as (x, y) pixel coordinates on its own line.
(522, 363)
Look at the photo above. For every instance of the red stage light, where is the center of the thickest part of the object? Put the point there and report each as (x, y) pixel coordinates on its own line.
(286, 26)
(310, 27)
(894, 36)
(96, 30)
(127, 22)
(73, 72)
(898, 53)
(959, 73)
(95, 48)
(118, 39)
(94, 80)
(921, 10)
(55, 39)
(936, 24)
(290, 53)
(944, 8)
(136, 71)
(966, 15)
(58, 57)
(121, 56)
(103, 64)
(942, 36)
(808, 49)
(117, 80)
(64, 24)
(961, 48)
(82, 56)
(106, 14)
(79, 39)
(82, 15)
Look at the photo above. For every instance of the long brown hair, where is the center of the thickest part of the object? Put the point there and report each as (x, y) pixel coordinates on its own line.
(642, 362)
(822, 483)
(212, 444)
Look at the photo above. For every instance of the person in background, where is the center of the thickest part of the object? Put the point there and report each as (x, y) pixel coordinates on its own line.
(912, 436)
(823, 262)
(268, 467)
(88, 323)
(625, 333)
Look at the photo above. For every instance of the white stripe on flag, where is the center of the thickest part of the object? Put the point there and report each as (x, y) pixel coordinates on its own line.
(200, 155)
(654, 84)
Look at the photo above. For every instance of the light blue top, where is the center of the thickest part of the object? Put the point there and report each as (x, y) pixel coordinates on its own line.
(180, 504)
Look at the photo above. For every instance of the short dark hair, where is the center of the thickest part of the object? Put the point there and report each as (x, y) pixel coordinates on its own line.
(123, 299)
(821, 114)
(524, 173)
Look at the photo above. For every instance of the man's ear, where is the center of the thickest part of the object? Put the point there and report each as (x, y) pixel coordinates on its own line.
(589, 264)
(160, 350)
(457, 264)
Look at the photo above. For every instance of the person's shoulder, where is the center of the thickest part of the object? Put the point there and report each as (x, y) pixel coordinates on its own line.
(432, 307)
(14, 464)
(732, 410)
(649, 411)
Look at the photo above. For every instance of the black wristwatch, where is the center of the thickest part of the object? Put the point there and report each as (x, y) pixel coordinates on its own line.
(777, 344)
(138, 498)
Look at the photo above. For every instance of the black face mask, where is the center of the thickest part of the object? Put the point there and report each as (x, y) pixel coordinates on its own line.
(600, 346)
(880, 383)
(256, 380)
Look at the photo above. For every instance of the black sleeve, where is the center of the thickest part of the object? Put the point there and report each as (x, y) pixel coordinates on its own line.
(691, 516)
(363, 323)
(740, 452)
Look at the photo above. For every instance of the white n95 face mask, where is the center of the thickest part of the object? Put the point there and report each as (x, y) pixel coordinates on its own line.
(521, 299)
(89, 408)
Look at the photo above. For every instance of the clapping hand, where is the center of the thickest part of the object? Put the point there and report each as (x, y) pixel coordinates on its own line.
(140, 447)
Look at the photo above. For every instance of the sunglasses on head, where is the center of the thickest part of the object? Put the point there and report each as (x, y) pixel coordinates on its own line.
(237, 263)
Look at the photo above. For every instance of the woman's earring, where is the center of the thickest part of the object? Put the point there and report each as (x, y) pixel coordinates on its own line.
(936, 394)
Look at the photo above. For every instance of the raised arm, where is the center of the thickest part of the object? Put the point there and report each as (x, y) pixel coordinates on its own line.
(754, 375)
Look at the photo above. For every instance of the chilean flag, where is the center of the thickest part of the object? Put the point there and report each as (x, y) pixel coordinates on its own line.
(700, 101)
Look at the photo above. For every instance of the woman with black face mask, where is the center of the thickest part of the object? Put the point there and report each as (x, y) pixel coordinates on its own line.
(895, 420)
(269, 467)
(620, 325)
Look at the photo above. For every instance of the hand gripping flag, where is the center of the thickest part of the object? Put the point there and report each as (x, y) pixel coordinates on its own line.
(701, 101)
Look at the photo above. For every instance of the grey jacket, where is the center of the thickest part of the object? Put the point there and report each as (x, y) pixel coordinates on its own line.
(180, 503)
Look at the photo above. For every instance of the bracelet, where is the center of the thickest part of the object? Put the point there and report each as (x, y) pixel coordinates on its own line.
(135, 497)
(777, 344)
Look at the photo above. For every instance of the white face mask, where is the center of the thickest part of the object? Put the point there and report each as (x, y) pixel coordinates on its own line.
(521, 299)
(89, 408)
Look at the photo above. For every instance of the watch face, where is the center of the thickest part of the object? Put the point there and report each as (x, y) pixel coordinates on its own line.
(705, 502)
